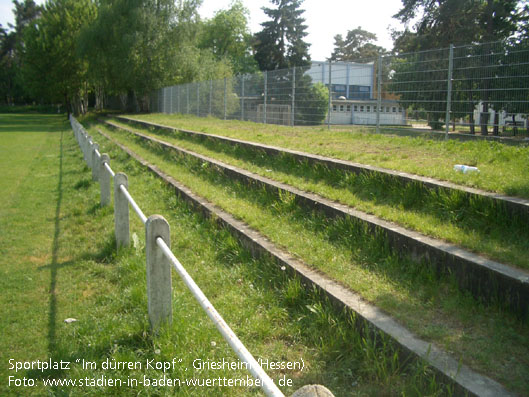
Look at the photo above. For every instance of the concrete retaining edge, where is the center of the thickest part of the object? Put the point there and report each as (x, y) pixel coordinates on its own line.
(487, 280)
(465, 380)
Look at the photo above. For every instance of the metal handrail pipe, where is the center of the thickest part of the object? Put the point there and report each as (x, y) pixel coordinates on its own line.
(112, 173)
(267, 384)
(133, 204)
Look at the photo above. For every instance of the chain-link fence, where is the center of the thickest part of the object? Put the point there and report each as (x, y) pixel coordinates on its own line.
(480, 88)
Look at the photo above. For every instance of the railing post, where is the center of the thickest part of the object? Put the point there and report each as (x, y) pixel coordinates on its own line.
(313, 391)
(95, 162)
(88, 145)
(104, 180)
(449, 90)
(158, 272)
(121, 211)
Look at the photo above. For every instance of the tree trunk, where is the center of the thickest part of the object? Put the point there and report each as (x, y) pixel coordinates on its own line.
(472, 124)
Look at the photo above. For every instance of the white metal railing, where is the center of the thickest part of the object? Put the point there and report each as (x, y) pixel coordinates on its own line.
(133, 204)
(158, 252)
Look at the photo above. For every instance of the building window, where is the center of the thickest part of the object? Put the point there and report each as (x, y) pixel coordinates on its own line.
(356, 108)
(387, 109)
(361, 108)
(348, 108)
(359, 92)
(334, 108)
(341, 108)
(394, 109)
(368, 108)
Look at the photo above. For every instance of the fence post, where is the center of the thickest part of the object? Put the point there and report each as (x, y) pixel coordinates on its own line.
(121, 211)
(449, 90)
(225, 89)
(187, 97)
(210, 95)
(292, 115)
(104, 180)
(95, 162)
(242, 98)
(379, 91)
(87, 147)
(178, 99)
(171, 99)
(330, 96)
(198, 99)
(158, 272)
(265, 95)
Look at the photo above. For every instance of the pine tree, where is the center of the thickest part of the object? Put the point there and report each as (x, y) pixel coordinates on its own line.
(281, 44)
(357, 46)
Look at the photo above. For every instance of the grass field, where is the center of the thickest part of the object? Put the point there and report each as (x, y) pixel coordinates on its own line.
(58, 261)
(503, 168)
(486, 338)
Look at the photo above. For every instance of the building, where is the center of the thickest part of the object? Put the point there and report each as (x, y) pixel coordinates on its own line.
(354, 95)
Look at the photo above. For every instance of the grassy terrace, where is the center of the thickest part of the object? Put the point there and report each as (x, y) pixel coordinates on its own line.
(485, 338)
(58, 261)
(503, 168)
(474, 224)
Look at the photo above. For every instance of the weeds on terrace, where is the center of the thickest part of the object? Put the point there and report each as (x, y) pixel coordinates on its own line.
(503, 168)
(486, 338)
(479, 224)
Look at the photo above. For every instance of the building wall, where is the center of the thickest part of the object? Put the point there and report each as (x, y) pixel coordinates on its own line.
(364, 113)
(351, 80)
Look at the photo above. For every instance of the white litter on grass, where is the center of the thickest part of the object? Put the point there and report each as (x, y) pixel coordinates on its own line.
(465, 168)
(70, 320)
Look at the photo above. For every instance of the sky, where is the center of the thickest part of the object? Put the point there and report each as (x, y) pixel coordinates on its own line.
(325, 19)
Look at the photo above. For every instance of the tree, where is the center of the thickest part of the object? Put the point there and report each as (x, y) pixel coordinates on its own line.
(280, 44)
(12, 48)
(357, 46)
(228, 37)
(52, 67)
(457, 22)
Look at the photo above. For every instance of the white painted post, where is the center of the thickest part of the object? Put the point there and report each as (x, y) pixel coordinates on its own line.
(87, 149)
(313, 391)
(95, 162)
(104, 180)
(158, 272)
(121, 211)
